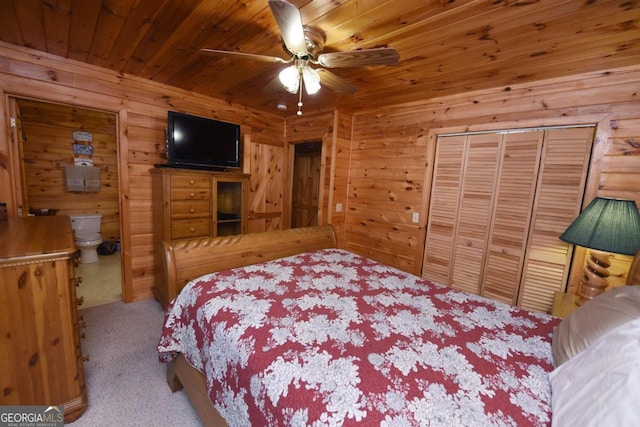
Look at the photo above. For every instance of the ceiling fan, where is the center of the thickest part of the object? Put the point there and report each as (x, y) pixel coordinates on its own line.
(305, 46)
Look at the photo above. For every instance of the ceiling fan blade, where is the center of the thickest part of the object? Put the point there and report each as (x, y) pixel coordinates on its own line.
(290, 23)
(330, 80)
(359, 58)
(264, 58)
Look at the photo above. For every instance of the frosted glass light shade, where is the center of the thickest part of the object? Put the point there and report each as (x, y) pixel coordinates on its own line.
(311, 80)
(290, 79)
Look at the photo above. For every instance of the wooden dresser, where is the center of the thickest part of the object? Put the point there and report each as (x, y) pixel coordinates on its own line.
(194, 203)
(40, 353)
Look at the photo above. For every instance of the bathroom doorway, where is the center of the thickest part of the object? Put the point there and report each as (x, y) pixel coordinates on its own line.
(51, 137)
(306, 184)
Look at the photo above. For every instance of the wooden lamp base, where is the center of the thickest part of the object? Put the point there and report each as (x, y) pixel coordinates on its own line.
(594, 282)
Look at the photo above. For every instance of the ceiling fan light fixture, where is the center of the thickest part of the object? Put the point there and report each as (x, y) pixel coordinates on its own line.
(290, 79)
(311, 80)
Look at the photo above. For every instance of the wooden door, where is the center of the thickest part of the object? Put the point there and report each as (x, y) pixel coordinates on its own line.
(443, 211)
(515, 191)
(482, 160)
(499, 204)
(559, 192)
(267, 166)
(306, 184)
(17, 200)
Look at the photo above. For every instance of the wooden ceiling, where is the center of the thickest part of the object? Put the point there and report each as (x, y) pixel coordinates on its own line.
(446, 46)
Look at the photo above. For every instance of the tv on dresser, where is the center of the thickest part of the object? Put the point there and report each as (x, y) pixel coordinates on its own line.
(195, 142)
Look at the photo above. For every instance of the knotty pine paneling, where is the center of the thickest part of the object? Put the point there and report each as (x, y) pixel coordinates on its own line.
(340, 165)
(386, 178)
(310, 127)
(445, 47)
(609, 99)
(47, 138)
(141, 109)
(597, 97)
(266, 191)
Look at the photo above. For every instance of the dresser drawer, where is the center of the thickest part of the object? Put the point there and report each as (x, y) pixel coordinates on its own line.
(187, 228)
(191, 181)
(195, 193)
(186, 209)
(190, 187)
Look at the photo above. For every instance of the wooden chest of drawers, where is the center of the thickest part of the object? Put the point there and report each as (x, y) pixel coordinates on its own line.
(40, 352)
(193, 203)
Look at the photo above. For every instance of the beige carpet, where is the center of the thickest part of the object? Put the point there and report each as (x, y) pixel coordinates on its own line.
(126, 383)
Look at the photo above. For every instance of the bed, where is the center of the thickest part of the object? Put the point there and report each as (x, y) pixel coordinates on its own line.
(265, 328)
(283, 328)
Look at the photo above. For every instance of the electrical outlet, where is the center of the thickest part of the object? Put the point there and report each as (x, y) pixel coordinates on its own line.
(338, 207)
(416, 217)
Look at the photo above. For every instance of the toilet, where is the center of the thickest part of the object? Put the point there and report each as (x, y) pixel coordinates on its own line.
(87, 232)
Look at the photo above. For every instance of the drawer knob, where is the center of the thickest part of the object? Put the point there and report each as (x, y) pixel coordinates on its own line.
(86, 358)
(191, 182)
(191, 210)
(192, 230)
(469, 244)
(504, 251)
(192, 195)
(77, 281)
(80, 300)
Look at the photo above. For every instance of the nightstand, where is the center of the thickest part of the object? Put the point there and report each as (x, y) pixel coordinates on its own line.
(563, 304)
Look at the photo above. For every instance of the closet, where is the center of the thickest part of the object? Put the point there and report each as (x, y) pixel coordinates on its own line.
(499, 201)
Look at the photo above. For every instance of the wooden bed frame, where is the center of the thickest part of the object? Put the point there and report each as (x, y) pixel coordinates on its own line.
(186, 260)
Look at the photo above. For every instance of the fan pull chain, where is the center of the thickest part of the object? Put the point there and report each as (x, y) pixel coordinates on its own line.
(300, 95)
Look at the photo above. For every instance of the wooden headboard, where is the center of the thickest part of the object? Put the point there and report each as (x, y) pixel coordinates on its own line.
(634, 273)
(185, 260)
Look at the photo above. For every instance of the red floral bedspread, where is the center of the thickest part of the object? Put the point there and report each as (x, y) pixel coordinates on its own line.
(333, 338)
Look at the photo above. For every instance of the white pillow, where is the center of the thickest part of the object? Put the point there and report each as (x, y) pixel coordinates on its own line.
(594, 319)
(601, 385)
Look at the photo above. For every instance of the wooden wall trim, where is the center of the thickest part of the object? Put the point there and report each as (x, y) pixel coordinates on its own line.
(125, 211)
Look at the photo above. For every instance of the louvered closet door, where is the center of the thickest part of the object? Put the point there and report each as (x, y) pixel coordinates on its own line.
(482, 154)
(559, 194)
(495, 231)
(443, 211)
(515, 191)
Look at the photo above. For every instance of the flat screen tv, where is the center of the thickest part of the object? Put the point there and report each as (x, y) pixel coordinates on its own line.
(202, 143)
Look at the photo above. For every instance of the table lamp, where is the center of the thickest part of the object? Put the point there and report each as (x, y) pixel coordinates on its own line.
(606, 225)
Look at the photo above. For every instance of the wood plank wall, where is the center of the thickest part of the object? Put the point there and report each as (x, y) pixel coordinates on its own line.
(341, 163)
(379, 161)
(266, 192)
(392, 149)
(141, 106)
(47, 138)
(311, 127)
(334, 129)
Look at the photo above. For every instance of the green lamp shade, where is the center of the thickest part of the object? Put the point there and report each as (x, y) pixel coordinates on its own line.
(609, 225)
